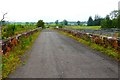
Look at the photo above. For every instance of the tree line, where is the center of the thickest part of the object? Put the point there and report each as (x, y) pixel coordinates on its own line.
(110, 21)
(66, 23)
(95, 22)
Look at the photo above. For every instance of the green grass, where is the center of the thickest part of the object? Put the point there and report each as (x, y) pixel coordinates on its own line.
(84, 27)
(7, 30)
(108, 51)
(9, 63)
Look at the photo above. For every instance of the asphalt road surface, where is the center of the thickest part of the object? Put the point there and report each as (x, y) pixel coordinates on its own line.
(57, 56)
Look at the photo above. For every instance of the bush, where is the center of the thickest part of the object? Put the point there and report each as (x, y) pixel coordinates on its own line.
(40, 23)
(60, 26)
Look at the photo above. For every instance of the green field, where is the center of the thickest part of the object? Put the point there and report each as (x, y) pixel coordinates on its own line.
(11, 30)
(84, 27)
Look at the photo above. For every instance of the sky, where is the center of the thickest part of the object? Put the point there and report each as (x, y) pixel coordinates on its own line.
(52, 10)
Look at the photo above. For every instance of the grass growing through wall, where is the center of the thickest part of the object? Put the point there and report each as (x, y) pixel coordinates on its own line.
(9, 63)
(108, 51)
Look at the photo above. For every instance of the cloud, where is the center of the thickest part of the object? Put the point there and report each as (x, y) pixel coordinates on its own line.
(51, 10)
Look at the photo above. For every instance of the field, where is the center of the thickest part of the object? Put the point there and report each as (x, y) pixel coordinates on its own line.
(84, 27)
(11, 29)
(95, 30)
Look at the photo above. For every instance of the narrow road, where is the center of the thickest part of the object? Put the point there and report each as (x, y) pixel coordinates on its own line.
(57, 56)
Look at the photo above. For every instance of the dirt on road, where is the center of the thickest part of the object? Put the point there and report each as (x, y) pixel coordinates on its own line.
(57, 56)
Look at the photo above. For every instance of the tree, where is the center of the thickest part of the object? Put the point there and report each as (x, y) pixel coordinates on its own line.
(97, 20)
(107, 22)
(112, 20)
(114, 23)
(65, 22)
(118, 21)
(27, 23)
(114, 14)
(4, 23)
(103, 24)
(40, 23)
(3, 16)
(56, 22)
(10, 30)
(90, 21)
(78, 22)
(2, 20)
(60, 25)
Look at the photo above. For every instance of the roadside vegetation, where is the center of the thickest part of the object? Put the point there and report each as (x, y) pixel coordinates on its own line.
(9, 30)
(108, 51)
(14, 58)
(108, 26)
(17, 55)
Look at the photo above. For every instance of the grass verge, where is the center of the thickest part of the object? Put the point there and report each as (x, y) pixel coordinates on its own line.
(11, 61)
(108, 51)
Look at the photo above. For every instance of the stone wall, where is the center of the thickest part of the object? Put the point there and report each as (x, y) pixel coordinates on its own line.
(11, 42)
